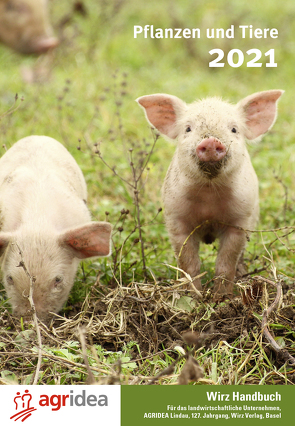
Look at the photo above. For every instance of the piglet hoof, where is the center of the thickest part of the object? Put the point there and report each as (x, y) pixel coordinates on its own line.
(195, 287)
(197, 283)
(223, 289)
(242, 270)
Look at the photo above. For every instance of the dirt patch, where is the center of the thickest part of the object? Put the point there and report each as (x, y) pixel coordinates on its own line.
(155, 317)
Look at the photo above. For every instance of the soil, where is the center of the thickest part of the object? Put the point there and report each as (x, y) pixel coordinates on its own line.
(150, 315)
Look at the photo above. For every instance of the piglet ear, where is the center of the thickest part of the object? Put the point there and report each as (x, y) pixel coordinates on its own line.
(89, 240)
(260, 110)
(162, 112)
(5, 238)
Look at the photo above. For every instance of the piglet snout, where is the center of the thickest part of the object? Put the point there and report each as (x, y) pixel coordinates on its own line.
(44, 44)
(211, 149)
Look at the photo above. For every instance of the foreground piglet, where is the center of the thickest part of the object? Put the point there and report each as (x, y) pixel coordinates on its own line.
(211, 189)
(43, 215)
(25, 27)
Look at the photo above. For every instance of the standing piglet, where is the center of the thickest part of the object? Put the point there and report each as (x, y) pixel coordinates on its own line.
(45, 223)
(211, 189)
(25, 27)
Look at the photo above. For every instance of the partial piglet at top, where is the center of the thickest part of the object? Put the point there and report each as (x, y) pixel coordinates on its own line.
(25, 26)
(45, 225)
(211, 189)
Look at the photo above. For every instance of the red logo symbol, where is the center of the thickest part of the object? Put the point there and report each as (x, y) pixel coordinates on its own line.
(23, 403)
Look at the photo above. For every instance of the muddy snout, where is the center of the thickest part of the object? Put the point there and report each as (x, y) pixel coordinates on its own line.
(211, 150)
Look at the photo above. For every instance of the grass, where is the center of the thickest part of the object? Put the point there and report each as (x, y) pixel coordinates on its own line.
(133, 306)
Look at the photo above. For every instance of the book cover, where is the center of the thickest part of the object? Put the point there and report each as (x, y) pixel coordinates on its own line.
(178, 118)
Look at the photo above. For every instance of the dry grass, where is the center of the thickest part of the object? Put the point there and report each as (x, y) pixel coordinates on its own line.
(138, 334)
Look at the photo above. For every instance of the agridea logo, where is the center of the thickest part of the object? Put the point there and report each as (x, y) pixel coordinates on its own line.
(24, 410)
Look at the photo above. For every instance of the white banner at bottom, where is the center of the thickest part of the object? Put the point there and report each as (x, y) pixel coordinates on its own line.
(33, 405)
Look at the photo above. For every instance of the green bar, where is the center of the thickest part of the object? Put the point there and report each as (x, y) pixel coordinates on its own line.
(184, 405)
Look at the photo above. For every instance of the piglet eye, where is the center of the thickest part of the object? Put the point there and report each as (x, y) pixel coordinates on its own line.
(188, 129)
(58, 279)
(234, 130)
(9, 279)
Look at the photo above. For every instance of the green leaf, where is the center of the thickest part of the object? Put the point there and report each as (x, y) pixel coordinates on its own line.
(280, 341)
(185, 303)
(9, 377)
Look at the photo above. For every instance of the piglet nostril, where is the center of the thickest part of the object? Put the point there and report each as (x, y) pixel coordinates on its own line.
(211, 149)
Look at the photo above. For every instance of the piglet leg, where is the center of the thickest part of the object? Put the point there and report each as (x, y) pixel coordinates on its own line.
(187, 252)
(232, 244)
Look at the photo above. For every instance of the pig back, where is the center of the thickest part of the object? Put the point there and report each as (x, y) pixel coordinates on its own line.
(40, 179)
(42, 155)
